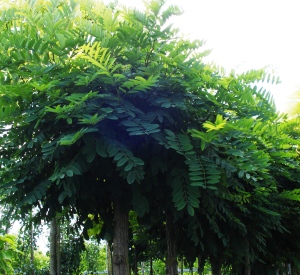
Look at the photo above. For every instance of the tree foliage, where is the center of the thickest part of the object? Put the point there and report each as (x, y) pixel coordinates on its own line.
(8, 248)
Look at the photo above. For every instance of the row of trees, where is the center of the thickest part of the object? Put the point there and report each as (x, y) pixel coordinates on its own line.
(107, 112)
(19, 254)
(76, 258)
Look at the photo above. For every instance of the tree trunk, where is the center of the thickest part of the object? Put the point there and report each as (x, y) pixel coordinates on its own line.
(247, 259)
(109, 259)
(31, 245)
(181, 266)
(295, 271)
(201, 264)
(53, 266)
(216, 264)
(191, 269)
(151, 266)
(143, 268)
(120, 241)
(57, 246)
(54, 248)
(135, 264)
(7, 228)
(171, 261)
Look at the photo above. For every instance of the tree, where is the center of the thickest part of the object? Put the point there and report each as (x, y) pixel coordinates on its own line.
(51, 60)
(41, 263)
(94, 257)
(26, 243)
(71, 246)
(103, 105)
(55, 264)
(53, 181)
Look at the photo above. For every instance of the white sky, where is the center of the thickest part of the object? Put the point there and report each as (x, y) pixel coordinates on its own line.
(246, 34)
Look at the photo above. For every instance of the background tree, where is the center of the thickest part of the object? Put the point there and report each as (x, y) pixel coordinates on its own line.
(8, 248)
(71, 246)
(94, 257)
(25, 262)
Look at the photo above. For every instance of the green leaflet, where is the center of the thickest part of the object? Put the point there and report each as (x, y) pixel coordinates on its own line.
(36, 194)
(131, 167)
(218, 125)
(138, 127)
(101, 148)
(98, 56)
(7, 111)
(74, 168)
(179, 142)
(172, 102)
(138, 84)
(89, 119)
(72, 138)
(140, 202)
(293, 195)
(184, 195)
(191, 210)
(235, 152)
(203, 173)
(48, 149)
(206, 137)
(81, 97)
(122, 161)
(197, 172)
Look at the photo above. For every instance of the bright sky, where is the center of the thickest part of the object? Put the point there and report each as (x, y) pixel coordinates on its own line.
(246, 34)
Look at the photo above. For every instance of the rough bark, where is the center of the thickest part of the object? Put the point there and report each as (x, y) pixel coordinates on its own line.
(216, 264)
(247, 259)
(53, 266)
(57, 247)
(171, 261)
(201, 264)
(109, 259)
(120, 240)
(54, 247)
